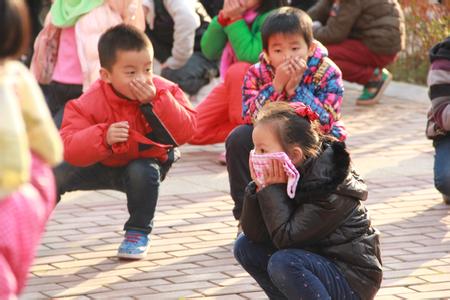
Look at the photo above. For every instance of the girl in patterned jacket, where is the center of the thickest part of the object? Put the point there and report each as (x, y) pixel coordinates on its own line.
(293, 68)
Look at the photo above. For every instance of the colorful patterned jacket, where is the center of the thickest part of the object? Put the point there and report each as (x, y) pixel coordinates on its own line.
(321, 88)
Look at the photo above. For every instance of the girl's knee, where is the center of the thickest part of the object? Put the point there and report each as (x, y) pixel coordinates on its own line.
(283, 261)
(243, 250)
(279, 262)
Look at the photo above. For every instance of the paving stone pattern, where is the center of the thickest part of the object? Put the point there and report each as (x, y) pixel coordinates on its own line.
(190, 255)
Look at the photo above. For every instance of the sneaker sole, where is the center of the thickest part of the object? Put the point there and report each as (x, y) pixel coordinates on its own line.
(132, 256)
(377, 97)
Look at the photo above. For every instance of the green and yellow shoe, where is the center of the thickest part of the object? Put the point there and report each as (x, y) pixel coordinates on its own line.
(374, 89)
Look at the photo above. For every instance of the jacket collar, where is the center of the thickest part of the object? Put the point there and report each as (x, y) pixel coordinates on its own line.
(330, 172)
(114, 98)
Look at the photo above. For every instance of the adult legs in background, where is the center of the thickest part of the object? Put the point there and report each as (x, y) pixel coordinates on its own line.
(221, 110)
(359, 64)
(356, 61)
(57, 94)
(197, 72)
(442, 166)
(238, 146)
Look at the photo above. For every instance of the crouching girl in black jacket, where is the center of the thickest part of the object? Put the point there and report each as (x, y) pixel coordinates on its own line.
(306, 233)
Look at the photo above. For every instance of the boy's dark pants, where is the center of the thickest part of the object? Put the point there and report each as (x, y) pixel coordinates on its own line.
(140, 180)
(238, 145)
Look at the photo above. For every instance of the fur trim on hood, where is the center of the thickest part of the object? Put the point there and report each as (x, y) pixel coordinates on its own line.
(330, 172)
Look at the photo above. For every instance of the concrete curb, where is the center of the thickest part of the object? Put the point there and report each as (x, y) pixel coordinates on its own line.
(400, 90)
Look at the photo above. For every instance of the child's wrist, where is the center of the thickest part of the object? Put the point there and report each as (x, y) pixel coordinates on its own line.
(278, 88)
(224, 20)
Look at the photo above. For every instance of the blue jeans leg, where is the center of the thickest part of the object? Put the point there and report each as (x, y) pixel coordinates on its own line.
(442, 165)
(300, 274)
(141, 181)
(254, 258)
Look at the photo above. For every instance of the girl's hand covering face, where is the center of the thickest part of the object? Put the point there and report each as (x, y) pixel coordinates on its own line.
(275, 173)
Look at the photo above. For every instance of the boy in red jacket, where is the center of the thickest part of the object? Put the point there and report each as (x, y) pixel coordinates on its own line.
(122, 133)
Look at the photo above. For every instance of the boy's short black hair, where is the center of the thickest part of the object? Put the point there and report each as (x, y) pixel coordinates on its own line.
(14, 28)
(287, 20)
(120, 37)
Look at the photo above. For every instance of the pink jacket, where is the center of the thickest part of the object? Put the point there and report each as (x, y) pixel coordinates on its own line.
(88, 30)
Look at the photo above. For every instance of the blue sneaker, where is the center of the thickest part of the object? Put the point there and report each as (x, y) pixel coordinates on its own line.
(134, 246)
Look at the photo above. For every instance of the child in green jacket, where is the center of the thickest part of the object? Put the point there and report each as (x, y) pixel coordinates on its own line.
(233, 37)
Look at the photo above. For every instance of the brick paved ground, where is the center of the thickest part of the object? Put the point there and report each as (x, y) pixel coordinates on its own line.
(191, 245)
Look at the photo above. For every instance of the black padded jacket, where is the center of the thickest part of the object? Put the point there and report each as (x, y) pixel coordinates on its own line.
(325, 217)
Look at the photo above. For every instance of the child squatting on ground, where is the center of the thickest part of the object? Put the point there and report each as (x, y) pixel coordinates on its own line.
(438, 125)
(306, 233)
(122, 133)
(293, 68)
(29, 146)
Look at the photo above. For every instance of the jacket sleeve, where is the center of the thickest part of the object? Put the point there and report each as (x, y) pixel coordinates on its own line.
(446, 117)
(292, 225)
(320, 11)
(43, 136)
(84, 140)
(246, 44)
(186, 22)
(439, 91)
(251, 218)
(213, 40)
(338, 27)
(255, 95)
(327, 99)
(175, 113)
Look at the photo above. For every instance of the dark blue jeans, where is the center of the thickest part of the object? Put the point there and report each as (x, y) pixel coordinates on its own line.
(442, 164)
(292, 273)
(140, 180)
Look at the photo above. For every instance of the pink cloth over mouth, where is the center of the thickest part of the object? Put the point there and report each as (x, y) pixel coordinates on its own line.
(259, 162)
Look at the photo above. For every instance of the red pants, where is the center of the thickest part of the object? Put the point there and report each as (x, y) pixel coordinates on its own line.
(356, 61)
(221, 111)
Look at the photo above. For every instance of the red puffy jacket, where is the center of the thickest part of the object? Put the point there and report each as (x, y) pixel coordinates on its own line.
(87, 119)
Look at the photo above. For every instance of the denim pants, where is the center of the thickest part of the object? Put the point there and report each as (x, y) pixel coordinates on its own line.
(442, 164)
(57, 95)
(238, 145)
(140, 180)
(292, 273)
(196, 73)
